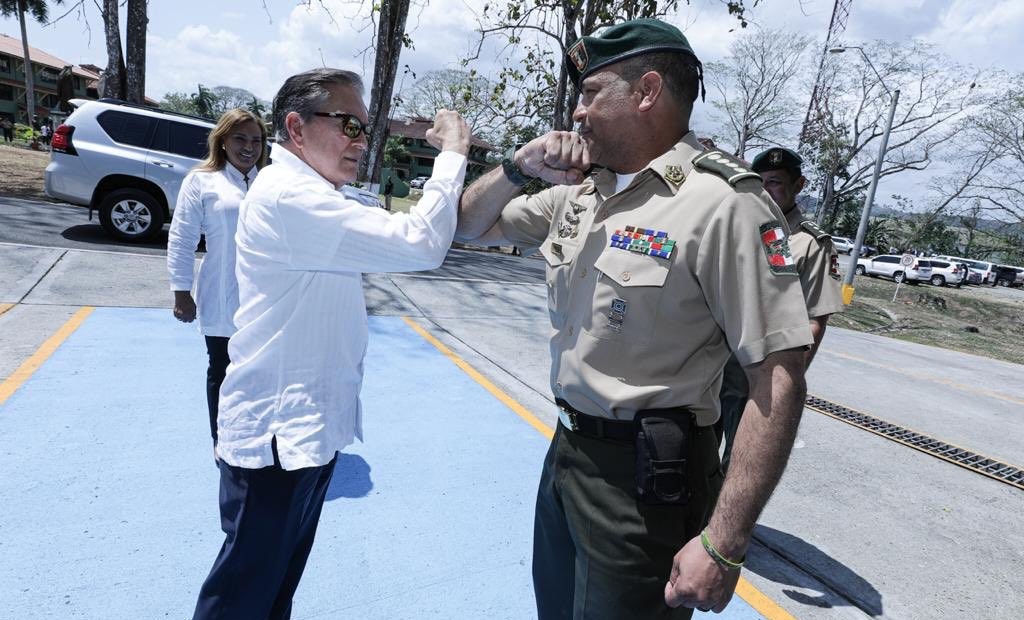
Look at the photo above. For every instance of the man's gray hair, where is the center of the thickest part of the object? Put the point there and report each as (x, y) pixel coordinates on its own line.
(306, 92)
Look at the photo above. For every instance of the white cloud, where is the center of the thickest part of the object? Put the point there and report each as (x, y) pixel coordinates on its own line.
(988, 37)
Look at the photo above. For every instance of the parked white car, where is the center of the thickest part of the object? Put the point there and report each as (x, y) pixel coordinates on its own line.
(947, 273)
(985, 269)
(126, 161)
(843, 245)
(890, 266)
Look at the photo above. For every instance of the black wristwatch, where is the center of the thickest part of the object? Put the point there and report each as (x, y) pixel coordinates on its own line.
(513, 173)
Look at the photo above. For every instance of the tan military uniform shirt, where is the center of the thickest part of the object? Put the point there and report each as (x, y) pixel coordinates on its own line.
(818, 264)
(650, 330)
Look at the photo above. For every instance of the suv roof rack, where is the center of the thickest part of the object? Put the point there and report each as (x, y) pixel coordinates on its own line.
(129, 104)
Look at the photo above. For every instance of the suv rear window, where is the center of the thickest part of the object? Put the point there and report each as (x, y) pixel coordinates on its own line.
(887, 259)
(130, 129)
(181, 139)
(941, 264)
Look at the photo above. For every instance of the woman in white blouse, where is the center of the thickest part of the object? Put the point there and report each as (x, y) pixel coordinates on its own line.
(208, 205)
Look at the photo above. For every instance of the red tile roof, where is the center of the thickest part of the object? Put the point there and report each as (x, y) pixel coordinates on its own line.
(12, 47)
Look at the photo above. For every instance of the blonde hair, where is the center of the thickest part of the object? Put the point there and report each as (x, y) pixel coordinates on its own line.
(217, 157)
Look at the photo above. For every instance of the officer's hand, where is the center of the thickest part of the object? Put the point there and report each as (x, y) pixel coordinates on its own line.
(450, 132)
(558, 157)
(698, 581)
(184, 306)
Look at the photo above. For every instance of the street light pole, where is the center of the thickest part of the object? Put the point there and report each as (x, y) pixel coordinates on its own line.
(865, 215)
(868, 202)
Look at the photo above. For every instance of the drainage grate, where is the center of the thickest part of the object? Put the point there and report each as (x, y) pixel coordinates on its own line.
(1003, 472)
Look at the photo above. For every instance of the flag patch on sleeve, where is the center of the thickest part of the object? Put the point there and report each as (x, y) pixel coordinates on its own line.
(776, 248)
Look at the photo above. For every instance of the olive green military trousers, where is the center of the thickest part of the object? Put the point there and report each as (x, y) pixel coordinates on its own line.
(599, 554)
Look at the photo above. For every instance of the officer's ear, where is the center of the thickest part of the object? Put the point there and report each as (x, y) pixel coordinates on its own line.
(799, 184)
(649, 87)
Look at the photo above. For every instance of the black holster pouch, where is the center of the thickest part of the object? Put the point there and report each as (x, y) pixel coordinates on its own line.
(662, 439)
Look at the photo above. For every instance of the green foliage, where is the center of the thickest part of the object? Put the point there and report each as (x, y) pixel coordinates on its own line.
(205, 102)
(38, 9)
(179, 102)
(395, 151)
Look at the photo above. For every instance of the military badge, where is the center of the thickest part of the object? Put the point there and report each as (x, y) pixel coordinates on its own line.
(644, 241)
(775, 158)
(776, 249)
(674, 174)
(578, 55)
(617, 314)
(833, 266)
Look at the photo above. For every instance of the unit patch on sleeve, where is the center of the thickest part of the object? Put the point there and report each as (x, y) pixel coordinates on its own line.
(776, 249)
(644, 241)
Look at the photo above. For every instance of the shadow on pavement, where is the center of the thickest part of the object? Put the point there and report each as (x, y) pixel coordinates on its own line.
(93, 233)
(468, 264)
(351, 477)
(845, 587)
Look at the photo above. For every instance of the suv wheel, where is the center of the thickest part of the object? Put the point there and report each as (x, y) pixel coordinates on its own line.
(898, 277)
(938, 281)
(859, 270)
(1003, 282)
(131, 215)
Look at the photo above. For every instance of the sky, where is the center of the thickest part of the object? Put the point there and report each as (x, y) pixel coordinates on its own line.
(256, 44)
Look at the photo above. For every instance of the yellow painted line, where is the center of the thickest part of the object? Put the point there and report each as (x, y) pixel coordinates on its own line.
(22, 374)
(495, 391)
(5, 307)
(927, 376)
(754, 597)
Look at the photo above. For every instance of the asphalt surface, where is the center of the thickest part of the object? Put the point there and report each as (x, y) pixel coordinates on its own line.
(860, 526)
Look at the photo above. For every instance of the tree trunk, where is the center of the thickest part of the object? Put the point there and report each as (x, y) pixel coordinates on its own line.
(390, 36)
(113, 77)
(30, 91)
(828, 195)
(135, 74)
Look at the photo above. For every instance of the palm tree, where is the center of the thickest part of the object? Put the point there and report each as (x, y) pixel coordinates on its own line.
(257, 107)
(39, 11)
(205, 101)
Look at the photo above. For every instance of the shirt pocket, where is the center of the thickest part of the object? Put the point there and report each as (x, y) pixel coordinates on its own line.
(627, 295)
(559, 256)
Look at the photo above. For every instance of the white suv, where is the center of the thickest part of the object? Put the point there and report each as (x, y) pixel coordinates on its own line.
(889, 266)
(843, 245)
(125, 161)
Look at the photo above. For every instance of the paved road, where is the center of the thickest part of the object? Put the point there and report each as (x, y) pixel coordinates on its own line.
(860, 526)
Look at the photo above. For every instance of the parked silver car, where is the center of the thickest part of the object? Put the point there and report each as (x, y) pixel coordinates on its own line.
(125, 161)
(890, 266)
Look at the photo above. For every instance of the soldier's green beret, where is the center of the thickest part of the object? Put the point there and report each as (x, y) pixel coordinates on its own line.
(622, 41)
(776, 158)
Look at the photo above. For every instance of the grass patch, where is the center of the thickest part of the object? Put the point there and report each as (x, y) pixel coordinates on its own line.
(971, 320)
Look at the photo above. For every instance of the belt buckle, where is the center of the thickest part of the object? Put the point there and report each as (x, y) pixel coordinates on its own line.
(568, 419)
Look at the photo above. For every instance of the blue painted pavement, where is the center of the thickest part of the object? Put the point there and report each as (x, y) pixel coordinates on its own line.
(109, 490)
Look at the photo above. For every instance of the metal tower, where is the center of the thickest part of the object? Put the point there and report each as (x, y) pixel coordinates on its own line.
(818, 107)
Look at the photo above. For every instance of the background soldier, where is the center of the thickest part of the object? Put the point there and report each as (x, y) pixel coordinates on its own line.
(816, 261)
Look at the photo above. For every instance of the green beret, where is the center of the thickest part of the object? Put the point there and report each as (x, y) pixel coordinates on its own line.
(622, 41)
(776, 158)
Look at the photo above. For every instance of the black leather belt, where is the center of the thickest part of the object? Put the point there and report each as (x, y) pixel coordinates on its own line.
(593, 426)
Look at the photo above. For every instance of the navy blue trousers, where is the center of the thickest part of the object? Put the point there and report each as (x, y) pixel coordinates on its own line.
(217, 350)
(270, 517)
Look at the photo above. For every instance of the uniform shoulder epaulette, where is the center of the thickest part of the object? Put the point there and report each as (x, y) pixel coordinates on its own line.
(724, 165)
(813, 228)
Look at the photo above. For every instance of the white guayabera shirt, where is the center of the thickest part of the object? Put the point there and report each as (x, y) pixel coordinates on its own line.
(297, 357)
(208, 205)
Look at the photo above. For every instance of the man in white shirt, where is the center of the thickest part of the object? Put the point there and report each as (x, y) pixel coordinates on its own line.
(290, 399)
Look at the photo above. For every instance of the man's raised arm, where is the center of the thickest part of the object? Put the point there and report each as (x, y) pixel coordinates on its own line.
(558, 157)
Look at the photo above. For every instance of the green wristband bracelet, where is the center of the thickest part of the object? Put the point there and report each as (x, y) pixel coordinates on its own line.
(722, 561)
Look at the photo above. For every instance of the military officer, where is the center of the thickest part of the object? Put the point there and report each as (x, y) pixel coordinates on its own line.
(816, 261)
(659, 261)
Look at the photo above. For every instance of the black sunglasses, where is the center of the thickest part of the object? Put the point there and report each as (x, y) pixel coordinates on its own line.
(350, 125)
